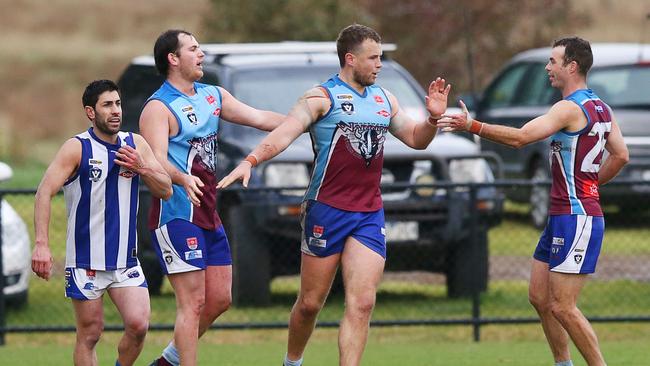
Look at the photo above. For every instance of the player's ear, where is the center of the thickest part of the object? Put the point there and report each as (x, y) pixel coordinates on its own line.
(90, 112)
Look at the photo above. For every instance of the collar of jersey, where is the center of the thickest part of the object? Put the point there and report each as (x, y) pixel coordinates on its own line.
(341, 82)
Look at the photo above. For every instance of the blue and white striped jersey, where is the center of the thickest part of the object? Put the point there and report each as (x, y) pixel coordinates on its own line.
(102, 205)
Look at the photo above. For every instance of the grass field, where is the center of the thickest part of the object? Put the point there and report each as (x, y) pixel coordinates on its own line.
(502, 345)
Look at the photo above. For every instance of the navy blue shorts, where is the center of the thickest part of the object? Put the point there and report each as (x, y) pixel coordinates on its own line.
(183, 247)
(571, 243)
(325, 229)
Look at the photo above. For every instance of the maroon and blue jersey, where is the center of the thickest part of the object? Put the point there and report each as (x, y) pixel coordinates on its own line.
(192, 151)
(348, 145)
(576, 156)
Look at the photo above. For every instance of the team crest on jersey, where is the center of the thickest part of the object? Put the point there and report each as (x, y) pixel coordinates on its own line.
(364, 140)
(347, 107)
(192, 118)
(577, 258)
(95, 174)
(206, 149)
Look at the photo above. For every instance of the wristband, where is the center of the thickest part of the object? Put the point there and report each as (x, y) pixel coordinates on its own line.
(476, 127)
(251, 159)
(433, 121)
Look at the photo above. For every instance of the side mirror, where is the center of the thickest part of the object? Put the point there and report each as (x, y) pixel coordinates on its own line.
(5, 172)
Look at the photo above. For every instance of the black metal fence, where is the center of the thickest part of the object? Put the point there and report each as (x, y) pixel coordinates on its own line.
(457, 254)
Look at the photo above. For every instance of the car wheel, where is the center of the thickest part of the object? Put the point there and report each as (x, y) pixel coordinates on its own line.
(539, 196)
(17, 301)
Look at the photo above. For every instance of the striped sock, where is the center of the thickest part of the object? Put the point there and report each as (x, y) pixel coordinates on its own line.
(170, 353)
(564, 363)
(288, 362)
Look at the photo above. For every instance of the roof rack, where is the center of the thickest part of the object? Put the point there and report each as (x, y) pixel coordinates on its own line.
(220, 49)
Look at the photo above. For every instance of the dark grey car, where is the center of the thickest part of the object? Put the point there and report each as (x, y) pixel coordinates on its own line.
(426, 228)
(521, 91)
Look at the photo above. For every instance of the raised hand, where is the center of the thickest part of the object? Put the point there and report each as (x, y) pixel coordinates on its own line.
(436, 101)
(130, 159)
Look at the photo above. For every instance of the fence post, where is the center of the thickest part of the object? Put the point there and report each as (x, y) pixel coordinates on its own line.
(2, 284)
(476, 293)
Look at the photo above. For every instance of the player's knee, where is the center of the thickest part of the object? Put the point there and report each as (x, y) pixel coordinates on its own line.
(361, 304)
(538, 301)
(309, 307)
(220, 305)
(137, 328)
(562, 312)
(90, 333)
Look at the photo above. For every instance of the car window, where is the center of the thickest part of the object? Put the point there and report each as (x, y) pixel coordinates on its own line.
(536, 89)
(622, 86)
(503, 91)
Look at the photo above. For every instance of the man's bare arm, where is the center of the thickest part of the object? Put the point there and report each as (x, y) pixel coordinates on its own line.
(64, 165)
(237, 112)
(618, 155)
(312, 105)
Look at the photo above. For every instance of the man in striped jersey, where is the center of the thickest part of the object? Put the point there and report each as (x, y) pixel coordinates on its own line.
(581, 127)
(99, 171)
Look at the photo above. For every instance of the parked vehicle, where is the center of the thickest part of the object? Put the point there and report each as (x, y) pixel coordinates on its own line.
(16, 249)
(426, 228)
(521, 91)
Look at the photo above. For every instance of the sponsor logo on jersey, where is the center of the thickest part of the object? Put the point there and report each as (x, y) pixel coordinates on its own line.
(89, 286)
(347, 107)
(94, 162)
(193, 254)
(318, 231)
(192, 243)
(217, 112)
(379, 99)
(344, 97)
(315, 242)
(577, 258)
(187, 108)
(210, 99)
(127, 173)
(558, 241)
(599, 108)
(383, 113)
(590, 188)
(95, 174)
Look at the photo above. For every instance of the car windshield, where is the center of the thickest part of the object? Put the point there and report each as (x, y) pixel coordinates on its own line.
(622, 86)
(278, 89)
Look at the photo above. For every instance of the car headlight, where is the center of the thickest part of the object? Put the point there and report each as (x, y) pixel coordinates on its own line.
(287, 175)
(422, 175)
(470, 171)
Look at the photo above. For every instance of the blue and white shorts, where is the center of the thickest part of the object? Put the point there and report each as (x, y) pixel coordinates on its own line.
(184, 247)
(325, 229)
(571, 243)
(90, 284)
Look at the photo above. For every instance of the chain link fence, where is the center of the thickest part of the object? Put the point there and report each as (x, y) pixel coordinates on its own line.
(457, 254)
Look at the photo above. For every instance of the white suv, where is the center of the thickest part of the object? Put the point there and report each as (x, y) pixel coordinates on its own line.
(16, 263)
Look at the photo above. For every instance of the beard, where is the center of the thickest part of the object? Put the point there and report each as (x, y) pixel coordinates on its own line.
(104, 127)
(363, 80)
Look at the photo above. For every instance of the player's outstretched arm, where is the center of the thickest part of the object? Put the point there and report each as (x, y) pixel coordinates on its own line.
(156, 124)
(313, 104)
(142, 161)
(618, 155)
(237, 112)
(64, 165)
(418, 135)
(561, 115)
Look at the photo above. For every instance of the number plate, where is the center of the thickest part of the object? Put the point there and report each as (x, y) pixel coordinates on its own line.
(402, 231)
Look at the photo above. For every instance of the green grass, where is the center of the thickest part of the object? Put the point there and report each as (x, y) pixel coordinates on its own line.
(501, 345)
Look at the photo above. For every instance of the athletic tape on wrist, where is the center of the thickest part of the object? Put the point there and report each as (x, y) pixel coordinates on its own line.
(251, 159)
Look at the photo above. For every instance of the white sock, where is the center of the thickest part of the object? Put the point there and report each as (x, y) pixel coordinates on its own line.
(288, 362)
(170, 353)
(564, 363)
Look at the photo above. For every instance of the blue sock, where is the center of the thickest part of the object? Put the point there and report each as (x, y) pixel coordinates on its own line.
(171, 354)
(117, 363)
(288, 362)
(564, 363)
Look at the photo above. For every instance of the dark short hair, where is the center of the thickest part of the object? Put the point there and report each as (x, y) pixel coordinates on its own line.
(578, 50)
(351, 37)
(165, 44)
(95, 89)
